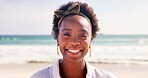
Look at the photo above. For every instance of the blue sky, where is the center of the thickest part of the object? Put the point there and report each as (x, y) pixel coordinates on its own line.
(27, 17)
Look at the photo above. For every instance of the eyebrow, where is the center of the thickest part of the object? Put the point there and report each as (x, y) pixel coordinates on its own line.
(71, 30)
(83, 30)
(66, 30)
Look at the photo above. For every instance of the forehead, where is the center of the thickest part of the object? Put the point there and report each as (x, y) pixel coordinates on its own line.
(75, 22)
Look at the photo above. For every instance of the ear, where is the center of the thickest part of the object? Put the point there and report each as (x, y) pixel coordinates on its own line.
(91, 40)
(57, 39)
(57, 42)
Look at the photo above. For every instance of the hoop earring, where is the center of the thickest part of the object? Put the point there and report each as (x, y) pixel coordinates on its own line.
(89, 51)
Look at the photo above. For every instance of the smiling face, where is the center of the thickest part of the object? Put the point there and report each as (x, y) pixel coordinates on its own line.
(74, 39)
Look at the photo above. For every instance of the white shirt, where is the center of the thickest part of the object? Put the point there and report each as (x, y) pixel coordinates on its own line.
(53, 72)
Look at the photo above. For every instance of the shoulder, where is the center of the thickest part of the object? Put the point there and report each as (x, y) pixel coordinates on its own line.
(104, 73)
(43, 73)
(97, 73)
(48, 72)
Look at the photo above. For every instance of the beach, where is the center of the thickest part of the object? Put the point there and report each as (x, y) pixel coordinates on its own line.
(120, 70)
(126, 56)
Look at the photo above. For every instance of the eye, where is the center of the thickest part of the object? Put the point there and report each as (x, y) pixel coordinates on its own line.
(66, 34)
(83, 36)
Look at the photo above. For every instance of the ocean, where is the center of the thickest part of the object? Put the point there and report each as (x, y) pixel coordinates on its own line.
(110, 49)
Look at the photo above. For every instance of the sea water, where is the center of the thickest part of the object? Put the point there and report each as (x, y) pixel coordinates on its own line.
(119, 49)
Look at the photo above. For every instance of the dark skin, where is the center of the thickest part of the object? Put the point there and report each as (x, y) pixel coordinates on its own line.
(74, 40)
(73, 70)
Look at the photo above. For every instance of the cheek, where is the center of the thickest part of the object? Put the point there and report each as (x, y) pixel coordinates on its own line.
(87, 42)
(89, 39)
(60, 44)
(61, 41)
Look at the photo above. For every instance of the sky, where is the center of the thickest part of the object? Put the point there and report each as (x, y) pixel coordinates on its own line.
(34, 17)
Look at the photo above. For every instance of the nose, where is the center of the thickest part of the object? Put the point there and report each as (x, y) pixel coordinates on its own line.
(74, 41)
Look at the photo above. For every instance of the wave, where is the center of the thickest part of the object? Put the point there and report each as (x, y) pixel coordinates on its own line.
(100, 54)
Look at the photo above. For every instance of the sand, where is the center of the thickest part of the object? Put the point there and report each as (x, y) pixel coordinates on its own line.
(25, 70)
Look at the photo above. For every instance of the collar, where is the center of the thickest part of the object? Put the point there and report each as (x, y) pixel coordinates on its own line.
(56, 71)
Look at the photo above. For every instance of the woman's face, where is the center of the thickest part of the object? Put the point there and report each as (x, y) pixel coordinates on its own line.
(74, 39)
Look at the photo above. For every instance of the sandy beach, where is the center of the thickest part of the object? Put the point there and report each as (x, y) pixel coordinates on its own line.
(25, 70)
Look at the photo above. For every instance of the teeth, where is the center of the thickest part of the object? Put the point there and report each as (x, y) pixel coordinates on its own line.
(74, 51)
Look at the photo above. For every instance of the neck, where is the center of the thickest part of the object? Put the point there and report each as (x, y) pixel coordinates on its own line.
(73, 69)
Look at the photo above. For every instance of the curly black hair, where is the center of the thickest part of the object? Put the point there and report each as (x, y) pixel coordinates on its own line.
(86, 10)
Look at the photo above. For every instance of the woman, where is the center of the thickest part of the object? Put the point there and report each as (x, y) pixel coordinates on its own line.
(74, 27)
